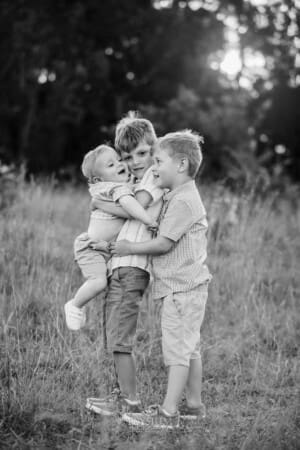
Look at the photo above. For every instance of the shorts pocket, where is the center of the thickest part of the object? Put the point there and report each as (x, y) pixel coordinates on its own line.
(179, 303)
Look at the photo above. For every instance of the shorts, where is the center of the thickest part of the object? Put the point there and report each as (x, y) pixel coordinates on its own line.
(126, 287)
(92, 263)
(182, 314)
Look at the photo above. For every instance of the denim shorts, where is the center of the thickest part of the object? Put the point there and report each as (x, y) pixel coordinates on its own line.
(126, 287)
(92, 263)
(182, 314)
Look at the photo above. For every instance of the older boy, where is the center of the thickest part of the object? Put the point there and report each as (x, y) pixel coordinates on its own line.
(180, 277)
(129, 278)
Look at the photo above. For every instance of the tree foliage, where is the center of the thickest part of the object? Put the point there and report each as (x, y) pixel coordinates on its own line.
(71, 68)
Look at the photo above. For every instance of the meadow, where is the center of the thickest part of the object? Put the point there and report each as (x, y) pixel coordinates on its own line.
(250, 333)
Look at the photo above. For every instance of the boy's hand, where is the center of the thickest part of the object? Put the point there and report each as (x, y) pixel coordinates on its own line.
(121, 248)
(99, 245)
(153, 227)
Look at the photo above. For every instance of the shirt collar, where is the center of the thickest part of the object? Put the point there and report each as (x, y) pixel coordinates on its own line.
(185, 187)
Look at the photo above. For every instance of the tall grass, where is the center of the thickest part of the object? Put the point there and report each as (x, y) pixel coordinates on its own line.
(249, 335)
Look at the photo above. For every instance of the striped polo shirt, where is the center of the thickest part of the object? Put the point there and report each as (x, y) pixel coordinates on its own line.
(134, 230)
(183, 220)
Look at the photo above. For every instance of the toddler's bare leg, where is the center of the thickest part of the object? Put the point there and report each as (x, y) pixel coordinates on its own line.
(89, 290)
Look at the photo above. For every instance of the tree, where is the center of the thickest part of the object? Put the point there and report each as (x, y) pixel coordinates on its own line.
(70, 69)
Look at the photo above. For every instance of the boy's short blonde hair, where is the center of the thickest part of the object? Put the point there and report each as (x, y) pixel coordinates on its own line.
(132, 130)
(89, 160)
(184, 143)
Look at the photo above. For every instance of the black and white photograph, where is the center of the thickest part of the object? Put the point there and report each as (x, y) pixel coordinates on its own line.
(149, 224)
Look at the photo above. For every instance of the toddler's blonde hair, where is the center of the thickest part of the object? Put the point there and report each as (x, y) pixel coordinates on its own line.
(89, 160)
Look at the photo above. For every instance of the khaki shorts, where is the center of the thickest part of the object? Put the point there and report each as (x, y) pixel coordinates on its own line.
(181, 318)
(93, 263)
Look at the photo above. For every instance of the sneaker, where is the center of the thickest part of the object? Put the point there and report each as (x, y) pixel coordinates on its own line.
(155, 417)
(188, 413)
(75, 317)
(114, 405)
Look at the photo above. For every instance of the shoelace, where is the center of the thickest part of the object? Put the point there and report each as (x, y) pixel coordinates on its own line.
(152, 410)
(115, 394)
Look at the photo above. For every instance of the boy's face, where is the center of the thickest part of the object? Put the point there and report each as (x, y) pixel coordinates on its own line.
(165, 168)
(139, 159)
(109, 167)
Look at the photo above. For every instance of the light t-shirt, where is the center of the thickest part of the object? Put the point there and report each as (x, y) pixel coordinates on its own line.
(134, 230)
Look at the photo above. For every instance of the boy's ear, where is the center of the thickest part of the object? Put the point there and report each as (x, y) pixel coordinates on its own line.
(183, 165)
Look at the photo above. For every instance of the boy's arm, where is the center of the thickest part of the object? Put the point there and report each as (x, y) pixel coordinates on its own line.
(143, 197)
(157, 246)
(176, 222)
(110, 208)
(133, 207)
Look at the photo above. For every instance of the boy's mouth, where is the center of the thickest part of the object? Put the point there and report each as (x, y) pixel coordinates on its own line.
(138, 172)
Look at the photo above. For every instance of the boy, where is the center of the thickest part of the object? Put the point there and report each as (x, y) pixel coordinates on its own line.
(108, 180)
(129, 278)
(180, 277)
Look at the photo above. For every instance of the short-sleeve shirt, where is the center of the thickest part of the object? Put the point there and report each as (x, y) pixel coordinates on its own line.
(134, 230)
(110, 192)
(183, 221)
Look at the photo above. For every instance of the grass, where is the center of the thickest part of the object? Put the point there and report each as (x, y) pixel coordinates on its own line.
(249, 335)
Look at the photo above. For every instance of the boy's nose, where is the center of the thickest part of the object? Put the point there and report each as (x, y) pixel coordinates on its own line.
(135, 160)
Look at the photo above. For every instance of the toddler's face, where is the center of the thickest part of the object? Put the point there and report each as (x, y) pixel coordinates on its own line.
(109, 167)
(139, 159)
(165, 168)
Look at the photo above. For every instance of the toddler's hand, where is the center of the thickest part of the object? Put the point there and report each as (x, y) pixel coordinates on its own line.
(121, 248)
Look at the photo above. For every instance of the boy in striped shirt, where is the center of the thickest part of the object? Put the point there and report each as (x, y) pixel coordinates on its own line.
(180, 277)
(129, 275)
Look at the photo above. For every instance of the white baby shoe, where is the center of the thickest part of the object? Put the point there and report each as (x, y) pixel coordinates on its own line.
(75, 317)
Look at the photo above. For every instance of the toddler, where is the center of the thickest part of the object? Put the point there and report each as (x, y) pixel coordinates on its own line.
(108, 179)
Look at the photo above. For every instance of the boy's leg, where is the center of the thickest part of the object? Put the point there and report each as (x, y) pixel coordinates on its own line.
(125, 291)
(177, 380)
(182, 315)
(194, 383)
(122, 315)
(126, 374)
